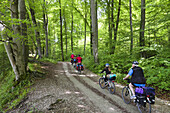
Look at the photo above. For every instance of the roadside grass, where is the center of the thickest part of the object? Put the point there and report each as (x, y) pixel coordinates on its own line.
(10, 96)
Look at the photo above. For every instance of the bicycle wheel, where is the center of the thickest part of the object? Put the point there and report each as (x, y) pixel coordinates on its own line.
(144, 109)
(112, 88)
(102, 83)
(79, 70)
(126, 93)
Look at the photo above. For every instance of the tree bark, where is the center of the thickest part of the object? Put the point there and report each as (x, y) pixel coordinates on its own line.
(61, 36)
(22, 10)
(9, 52)
(72, 29)
(112, 26)
(116, 29)
(142, 26)
(85, 28)
(94, 29)
(37, 33)
(91, 37)
(45, 19)
(65, 25)
(131, 29)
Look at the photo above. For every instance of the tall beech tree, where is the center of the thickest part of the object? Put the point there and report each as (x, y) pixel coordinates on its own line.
(45, 20)
(72, 27)
(142, 25)
(94, 29)
(36, 25)
(131, 29)
(61, 36)
(116, 29)
(17, 49)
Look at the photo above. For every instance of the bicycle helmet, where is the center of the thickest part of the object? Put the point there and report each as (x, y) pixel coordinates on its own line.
(107, 65)
(135, 62)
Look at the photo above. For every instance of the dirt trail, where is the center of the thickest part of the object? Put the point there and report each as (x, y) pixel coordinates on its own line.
(64, 90)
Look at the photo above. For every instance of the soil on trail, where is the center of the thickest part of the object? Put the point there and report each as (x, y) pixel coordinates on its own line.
(64, 90)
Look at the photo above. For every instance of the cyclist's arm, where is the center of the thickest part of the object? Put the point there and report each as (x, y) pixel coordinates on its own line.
(103, 70)
(129, 74)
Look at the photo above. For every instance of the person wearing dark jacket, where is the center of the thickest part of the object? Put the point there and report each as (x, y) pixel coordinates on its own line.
(137, 78)
(107, 70)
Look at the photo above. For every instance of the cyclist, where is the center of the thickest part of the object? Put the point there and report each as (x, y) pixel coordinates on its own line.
(79, 60)
(107, 70)
(72, 58)
(137, 78)
(75, 61)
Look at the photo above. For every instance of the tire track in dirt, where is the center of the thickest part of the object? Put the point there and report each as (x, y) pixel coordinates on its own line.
(100, 94)
(96, 91)
(104, 105)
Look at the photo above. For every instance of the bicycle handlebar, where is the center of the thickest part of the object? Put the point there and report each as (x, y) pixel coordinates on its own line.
(128, 80)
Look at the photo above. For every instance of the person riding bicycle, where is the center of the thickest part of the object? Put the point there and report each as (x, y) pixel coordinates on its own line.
(107, 70)
(137, 78)
(72, 57)
(79, 60)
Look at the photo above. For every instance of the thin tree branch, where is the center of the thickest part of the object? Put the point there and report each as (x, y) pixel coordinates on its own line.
(2, 23)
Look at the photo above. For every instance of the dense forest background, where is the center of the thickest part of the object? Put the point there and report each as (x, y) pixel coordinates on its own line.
(101, 31)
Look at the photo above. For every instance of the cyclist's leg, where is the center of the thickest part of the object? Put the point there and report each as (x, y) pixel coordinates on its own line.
(105, 79)
(131, 88)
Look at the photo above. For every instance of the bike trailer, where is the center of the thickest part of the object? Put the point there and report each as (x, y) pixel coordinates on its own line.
(111, 76)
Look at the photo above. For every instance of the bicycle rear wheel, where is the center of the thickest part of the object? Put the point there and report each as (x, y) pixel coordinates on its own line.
(112, 88)
(102, 83)
(126, 93)
(144, 109)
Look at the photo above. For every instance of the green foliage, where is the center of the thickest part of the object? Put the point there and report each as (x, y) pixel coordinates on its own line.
(48, 60)
(156, 68)
(11, 96)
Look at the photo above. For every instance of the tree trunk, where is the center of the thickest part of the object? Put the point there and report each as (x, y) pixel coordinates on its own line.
(85, 28)
(22, 10)
(45, 19)
(65, 24)
(17, 40)
(142, 26)
(91, 37)
(37, 33)
(131, 29)
(61, 36)
(116, 29)
(9, 51)
(72, 29)
(94, 29)
(112, 26)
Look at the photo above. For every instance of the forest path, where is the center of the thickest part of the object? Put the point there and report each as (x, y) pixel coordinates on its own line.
(64, 90)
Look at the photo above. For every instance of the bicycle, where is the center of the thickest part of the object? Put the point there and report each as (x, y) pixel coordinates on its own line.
(143, 102)
(109, 83)
(80, 67)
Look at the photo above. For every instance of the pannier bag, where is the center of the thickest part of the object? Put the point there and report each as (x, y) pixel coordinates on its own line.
(82, 68)
(147, 92)
(139, 91)
(111, 76)
(150, 93)
(141, 100)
